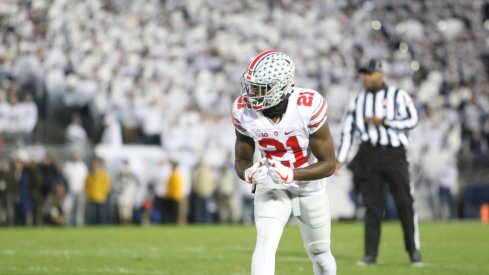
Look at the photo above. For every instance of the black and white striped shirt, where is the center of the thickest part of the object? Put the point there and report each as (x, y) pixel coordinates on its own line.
(391, 104)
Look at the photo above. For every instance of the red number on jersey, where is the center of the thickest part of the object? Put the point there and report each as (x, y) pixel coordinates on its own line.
(293, 144)
(305, 99)
(279, 150)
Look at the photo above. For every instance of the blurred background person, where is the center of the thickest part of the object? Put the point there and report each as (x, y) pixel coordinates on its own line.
(226, 194)
(8, 194)
(76, 172)
(38, 188)
(29, 118)
(46, 172)
(75, 133)
(112, 133)
(54, 206)
(7, 176)
(159, 181)
(97, 188)
(203, 188)
(149, 207)
(25, 216)
(126, 187)
(174, 197)
(3, 194)
(150, 117)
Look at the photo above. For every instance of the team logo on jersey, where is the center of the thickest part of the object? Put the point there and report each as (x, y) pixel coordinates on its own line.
(261, 134)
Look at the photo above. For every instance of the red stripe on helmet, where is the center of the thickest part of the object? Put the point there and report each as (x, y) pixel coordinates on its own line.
(256, 60)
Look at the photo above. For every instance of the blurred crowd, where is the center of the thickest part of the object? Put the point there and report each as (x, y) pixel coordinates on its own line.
(164, 73)
(73, 193)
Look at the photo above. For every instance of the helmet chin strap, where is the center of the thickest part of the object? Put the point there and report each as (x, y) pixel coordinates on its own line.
(279, 109)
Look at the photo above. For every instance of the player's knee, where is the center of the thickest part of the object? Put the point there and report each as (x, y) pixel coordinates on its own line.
(324, 263)
(319, 247)
(321, 255)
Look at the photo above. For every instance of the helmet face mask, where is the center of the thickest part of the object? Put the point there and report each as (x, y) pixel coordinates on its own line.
(267, 80)
(258, 96)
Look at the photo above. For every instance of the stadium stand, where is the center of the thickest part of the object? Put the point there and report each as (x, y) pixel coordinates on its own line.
(75, 75)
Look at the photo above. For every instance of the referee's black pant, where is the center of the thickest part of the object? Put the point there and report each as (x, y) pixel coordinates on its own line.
(373, 166)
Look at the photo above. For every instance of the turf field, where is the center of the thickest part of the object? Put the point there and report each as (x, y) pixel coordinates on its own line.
(448, 248)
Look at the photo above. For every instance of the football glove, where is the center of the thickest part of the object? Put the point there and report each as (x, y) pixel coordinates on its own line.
(256, 173)
(280, 173)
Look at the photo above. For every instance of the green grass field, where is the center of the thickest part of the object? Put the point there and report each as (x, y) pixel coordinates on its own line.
(448, 248)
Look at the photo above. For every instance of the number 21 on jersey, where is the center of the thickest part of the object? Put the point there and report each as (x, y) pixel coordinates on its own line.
(275, 148)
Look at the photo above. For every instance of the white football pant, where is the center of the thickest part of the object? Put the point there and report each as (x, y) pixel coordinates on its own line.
(273, 207)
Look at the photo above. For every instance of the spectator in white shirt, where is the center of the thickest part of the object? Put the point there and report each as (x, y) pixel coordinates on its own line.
(75, 133)
(151, 121)
(126, 189)
(112, 133)
(29, 118)
(76, 171)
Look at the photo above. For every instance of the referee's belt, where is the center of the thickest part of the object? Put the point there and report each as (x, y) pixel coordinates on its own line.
(370, 146)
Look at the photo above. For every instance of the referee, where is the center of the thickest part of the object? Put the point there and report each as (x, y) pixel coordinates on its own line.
(381, 115)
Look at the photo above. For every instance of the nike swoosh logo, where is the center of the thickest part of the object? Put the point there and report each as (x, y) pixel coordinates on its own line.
(252, 175)
(282, 177)
(250, 178)
(286, 133)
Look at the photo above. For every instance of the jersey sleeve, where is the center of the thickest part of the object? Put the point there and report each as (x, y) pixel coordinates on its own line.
(318, 113)
(236, 115)
(406, 116)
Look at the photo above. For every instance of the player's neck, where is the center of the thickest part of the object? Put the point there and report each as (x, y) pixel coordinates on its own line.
(275, 120)
(275, 117)
(276, 113)
(376, 88)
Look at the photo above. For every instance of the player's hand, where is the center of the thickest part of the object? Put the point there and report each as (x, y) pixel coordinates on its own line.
(339, 165)
(280, 173)
(377, 121)
(256, 173)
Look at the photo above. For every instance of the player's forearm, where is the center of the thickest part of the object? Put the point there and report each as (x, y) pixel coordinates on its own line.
(241, 166)
(244, 150)
(404, 124)
(319, 170)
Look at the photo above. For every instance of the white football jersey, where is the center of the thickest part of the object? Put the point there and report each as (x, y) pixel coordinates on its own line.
(288, 140)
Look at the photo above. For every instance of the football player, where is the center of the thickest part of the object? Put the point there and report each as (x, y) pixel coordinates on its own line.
(288, 125)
